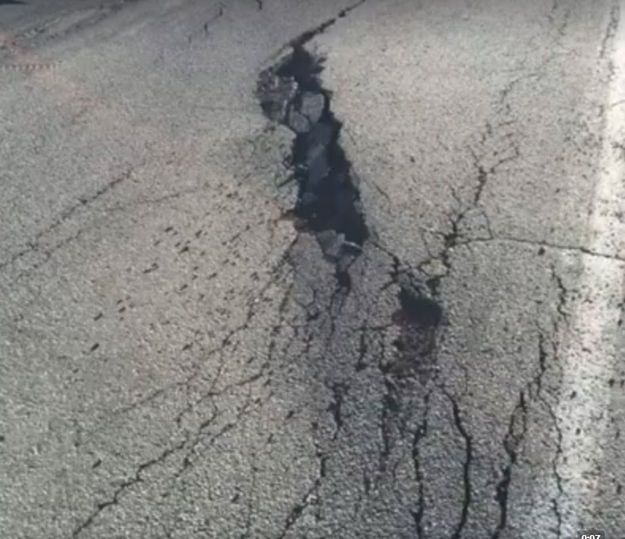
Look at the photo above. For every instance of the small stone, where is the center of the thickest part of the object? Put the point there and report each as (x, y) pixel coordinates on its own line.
(474, 225)
(434, 268)
(287, 195)
(312, 106)
(276, 95)
(331, 243)
(298, 122)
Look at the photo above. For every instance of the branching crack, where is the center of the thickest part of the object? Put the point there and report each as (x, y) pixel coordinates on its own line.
(307, 499)
(339, 391)
(466, 475)
(542, 243)
(306, 36)
(328, 202)
(562, 294)
(35, 243)
(610, 30)
(517, 430)
(125, 485)
(517, 427)
(419, 435)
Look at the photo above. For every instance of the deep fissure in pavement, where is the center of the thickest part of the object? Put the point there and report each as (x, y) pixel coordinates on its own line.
(328, 202)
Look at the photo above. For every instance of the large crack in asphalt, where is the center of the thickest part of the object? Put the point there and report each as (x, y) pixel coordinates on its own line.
(329, 211)
(328, 203)
(329, 208)
(328, 200)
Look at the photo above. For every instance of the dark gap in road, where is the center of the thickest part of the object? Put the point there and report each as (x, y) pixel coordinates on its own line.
(306, 36)
(517, 428)
(328, 210)
(328, 202)
(417, 319)
(419, 310)
(12, 3)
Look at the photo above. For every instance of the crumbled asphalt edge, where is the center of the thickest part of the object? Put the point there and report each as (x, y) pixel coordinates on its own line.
(329, 207)
(328, 201)
(419, 317)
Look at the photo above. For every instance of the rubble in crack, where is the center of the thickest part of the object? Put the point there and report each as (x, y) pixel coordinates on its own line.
(328, 202)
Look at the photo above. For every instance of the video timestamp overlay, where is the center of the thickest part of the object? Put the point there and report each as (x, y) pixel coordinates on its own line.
(591, 534)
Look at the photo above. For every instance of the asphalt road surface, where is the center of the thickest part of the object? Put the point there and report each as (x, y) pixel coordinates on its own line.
(312, 269)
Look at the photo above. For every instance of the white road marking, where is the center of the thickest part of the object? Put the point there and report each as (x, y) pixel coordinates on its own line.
(587, 351)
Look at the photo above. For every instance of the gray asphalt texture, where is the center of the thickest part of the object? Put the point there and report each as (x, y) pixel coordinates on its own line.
(188, 350)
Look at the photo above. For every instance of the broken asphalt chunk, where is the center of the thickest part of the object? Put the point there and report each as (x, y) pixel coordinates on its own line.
(290, 93)
(312, 106)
